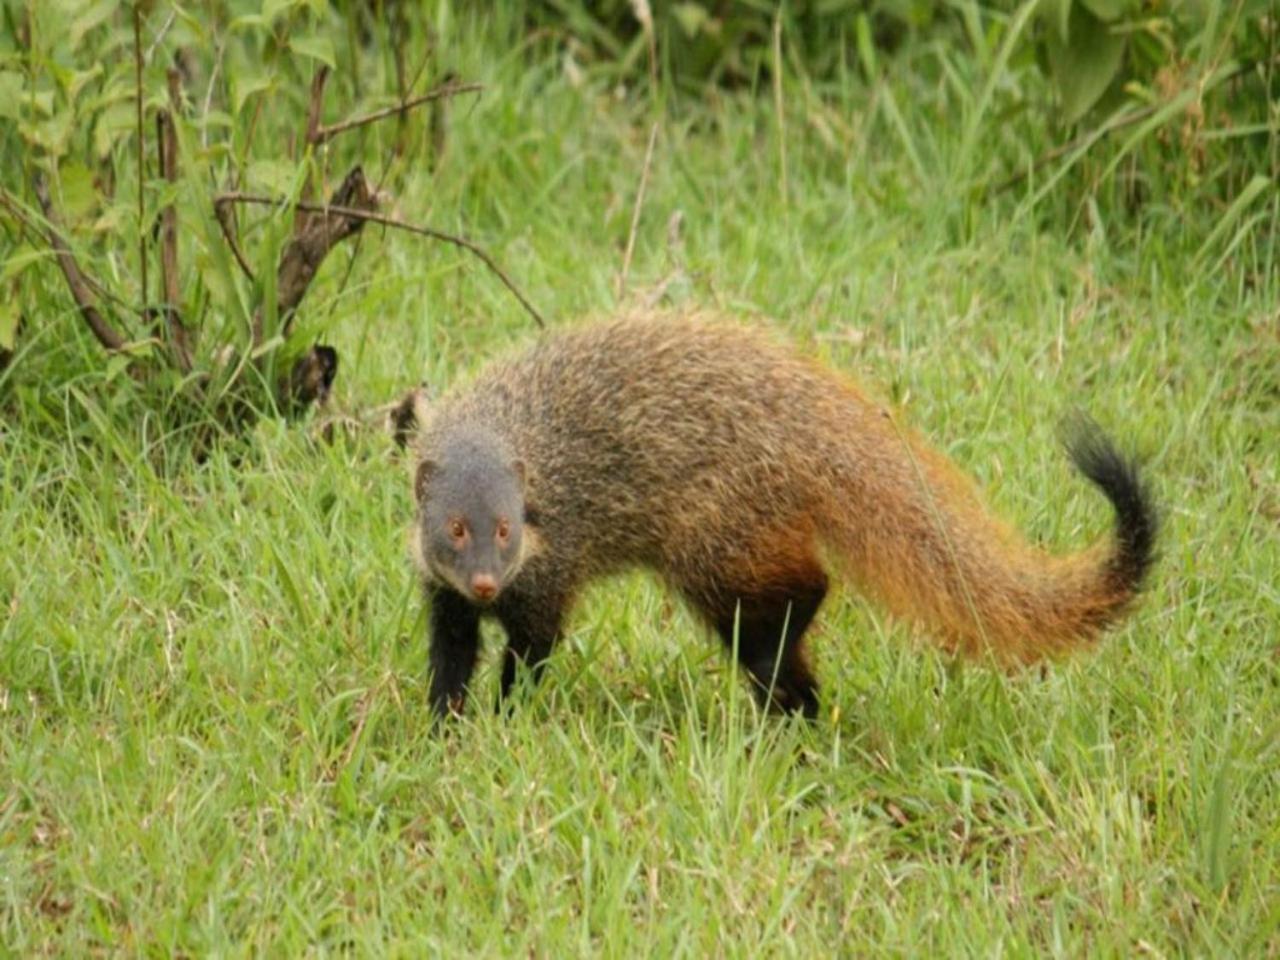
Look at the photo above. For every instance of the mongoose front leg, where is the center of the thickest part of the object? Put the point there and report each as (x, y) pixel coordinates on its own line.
(532, 622)
(455, 642)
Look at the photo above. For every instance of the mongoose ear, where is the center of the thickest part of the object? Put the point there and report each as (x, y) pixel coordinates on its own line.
(422, 478)
(518, 468)
(407, 416)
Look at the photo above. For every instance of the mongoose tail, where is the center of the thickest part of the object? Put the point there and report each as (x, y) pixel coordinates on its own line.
(933, 554)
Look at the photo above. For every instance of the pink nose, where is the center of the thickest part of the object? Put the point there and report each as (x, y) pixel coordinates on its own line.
(484, 586)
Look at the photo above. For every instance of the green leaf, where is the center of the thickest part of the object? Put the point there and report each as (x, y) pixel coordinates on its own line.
(19, 100)
(51, 135)
(273, 8)
(113, 218)
(42, 100)
(250, 21)
(1085, 65)
(243, 87)
(273, 176)
(23, 256)
(215, 119)
(220, 286)
(10, 312)
(114, 123)
(267, 346)
(79, 194)
(690, 17)
(316, 46)
(95, 16)
(1058, 14)
(1109, 10)
(290, 585)
(866, 46)
(11, 85)
(194, 25)
(117, 364)
(1257, 185)
(74, 82)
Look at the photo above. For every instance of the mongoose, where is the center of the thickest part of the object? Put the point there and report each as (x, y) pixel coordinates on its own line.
(697, 448)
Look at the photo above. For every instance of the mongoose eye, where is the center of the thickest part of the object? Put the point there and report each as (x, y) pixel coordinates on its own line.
(457, 530)
(503, 532)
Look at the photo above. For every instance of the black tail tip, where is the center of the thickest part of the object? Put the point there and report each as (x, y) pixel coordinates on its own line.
(1137, 521)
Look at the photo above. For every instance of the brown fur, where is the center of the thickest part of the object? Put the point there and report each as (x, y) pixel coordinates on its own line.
(701, 449)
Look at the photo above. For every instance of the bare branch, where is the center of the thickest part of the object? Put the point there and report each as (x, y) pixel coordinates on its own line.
(314, 109)
(323, 134)
(371, 217)
(98, 289)
(397, 152)
(179, 336)
(225, 214)
(106, 334)
(326, 226)
(317, 101)
(142, 160)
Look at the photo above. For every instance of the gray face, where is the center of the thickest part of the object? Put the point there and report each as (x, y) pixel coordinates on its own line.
(472, 516)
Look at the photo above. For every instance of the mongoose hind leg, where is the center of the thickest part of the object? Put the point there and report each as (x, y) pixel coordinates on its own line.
(455, 642)
(765, 621)
(533, 625)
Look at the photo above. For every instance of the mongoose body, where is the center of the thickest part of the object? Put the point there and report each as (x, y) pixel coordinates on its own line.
(740, 472)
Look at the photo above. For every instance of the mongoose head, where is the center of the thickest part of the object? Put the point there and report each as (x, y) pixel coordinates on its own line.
(470, 493)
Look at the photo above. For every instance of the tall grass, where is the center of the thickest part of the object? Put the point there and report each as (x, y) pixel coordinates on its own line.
(213, 728)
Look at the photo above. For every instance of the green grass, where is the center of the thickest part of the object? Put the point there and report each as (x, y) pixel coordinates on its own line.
(213, 727)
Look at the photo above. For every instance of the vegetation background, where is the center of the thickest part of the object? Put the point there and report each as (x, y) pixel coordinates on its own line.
(213, 735)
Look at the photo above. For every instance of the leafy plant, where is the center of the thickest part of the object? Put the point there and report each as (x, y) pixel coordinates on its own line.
(132, 137)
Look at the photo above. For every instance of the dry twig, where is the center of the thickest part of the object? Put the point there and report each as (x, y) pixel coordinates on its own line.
(351, 205)
(106, 334)
(386, 170)
(368, 216)
(316, 102)
(323, 134)
(315, 107)
(225, 214)
(142, 159)
(179, 336)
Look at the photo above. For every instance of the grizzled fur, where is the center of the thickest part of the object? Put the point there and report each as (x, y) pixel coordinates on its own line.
(700, 449)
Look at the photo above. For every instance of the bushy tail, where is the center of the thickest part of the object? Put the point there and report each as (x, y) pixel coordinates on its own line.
(1117, 476)
(930, 550)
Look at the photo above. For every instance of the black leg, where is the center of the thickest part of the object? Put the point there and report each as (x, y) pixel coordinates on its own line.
(455, 642)
(532, 622)
(768, 627)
